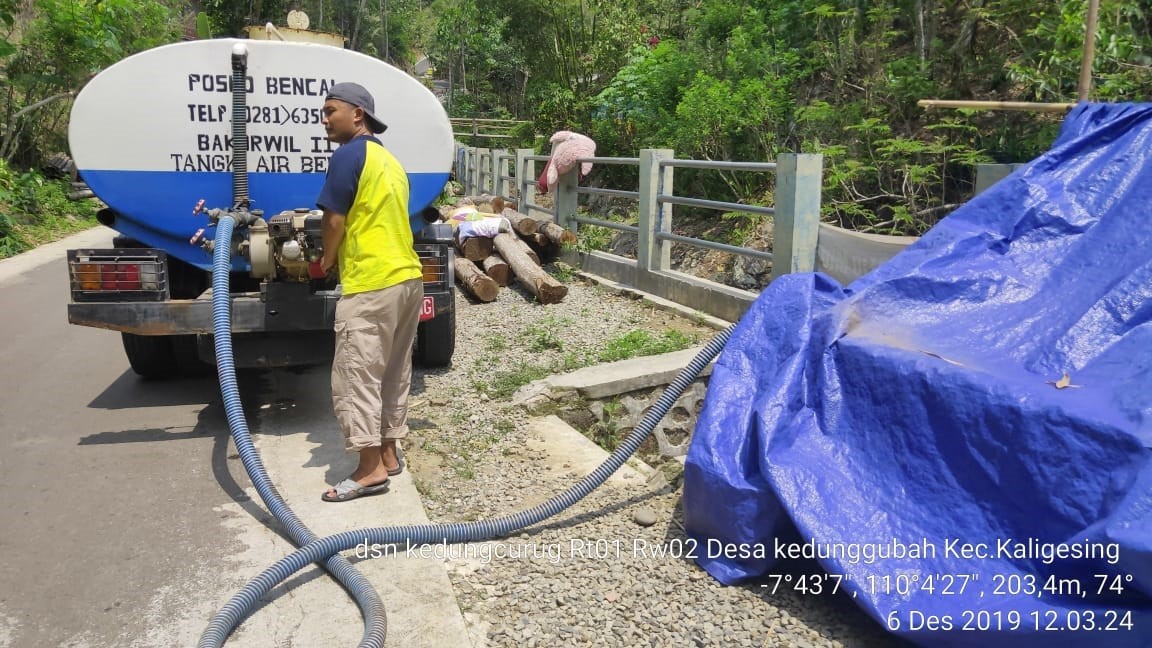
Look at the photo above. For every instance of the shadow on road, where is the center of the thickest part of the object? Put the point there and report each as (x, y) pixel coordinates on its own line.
(130, 391)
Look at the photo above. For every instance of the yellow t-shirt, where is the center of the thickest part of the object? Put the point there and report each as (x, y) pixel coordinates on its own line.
(366, 183)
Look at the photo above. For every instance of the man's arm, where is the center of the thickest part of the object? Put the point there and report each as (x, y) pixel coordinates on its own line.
(332, 234)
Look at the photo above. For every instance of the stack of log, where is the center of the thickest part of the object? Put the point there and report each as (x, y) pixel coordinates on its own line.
(484, 265)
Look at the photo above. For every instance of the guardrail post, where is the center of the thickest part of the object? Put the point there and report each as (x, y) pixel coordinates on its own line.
(652, 254)
(798, 180)
(470, 171)
(494, 171)
(483, 173)
(564, 198)
(525, 179)
(989, 174)
(500, 169)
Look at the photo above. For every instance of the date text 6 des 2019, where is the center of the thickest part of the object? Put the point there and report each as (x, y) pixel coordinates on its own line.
(1052, 620)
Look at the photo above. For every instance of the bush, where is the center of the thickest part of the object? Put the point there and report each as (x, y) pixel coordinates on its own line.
(36, 210)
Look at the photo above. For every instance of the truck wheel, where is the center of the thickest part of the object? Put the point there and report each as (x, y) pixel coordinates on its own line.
(151, 356)
(188, 362)
(436, 340)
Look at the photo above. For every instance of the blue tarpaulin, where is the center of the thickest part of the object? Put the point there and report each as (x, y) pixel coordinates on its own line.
(963, 433)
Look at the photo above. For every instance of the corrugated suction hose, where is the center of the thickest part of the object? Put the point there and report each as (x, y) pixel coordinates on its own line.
(375, 623)
(327, 548)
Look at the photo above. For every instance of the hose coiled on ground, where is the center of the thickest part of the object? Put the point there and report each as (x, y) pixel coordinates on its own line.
(244, 601)
(375, 623)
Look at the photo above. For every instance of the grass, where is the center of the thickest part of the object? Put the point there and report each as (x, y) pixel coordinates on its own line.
(593, 238)
(503, 383)
(35, 210)
(606, 433)
(563, 272)
(636, 343)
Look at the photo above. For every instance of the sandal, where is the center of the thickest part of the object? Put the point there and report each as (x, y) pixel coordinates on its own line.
(350, 489)
(400, 465)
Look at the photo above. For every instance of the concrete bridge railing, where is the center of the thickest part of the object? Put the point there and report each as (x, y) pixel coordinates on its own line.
(801, 242)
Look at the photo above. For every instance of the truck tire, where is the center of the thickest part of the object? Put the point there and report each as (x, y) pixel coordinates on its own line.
(151, 356)
(187, 357)
(436, 340)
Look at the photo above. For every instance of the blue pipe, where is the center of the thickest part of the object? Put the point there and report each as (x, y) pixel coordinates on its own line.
(240, 605)
(371, 606)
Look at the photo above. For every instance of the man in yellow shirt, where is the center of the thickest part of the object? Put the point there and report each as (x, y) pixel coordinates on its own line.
(367, 236)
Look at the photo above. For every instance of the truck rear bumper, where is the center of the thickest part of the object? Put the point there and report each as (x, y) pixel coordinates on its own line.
(292, 310)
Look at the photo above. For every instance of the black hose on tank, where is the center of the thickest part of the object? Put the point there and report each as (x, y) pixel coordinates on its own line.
(239, 126)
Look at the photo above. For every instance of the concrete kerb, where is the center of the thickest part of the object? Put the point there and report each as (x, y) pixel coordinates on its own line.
(658, 302)
(610, 379)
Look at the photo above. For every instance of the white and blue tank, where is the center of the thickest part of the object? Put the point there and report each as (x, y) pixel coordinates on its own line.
(151, 135)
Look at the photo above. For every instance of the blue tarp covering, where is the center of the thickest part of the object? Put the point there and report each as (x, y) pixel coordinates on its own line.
(965, 431)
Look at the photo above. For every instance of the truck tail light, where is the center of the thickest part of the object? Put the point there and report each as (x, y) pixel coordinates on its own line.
(436, 265)
(433, 269)
(118, 275)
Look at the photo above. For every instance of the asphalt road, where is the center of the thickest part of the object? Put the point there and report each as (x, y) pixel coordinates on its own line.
(127, 519)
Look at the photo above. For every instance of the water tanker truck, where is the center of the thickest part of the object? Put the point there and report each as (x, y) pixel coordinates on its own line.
(171, 138)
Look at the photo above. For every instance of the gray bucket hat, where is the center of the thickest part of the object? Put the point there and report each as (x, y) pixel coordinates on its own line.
(355, 94)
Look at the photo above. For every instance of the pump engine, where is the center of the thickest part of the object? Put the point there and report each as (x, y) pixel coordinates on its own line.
(284, 247)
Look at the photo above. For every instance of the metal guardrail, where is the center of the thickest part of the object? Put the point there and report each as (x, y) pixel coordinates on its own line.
(796, 214)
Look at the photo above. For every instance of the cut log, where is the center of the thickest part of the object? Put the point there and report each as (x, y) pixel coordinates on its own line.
(485, 203)
(522, 223)
(543, 246)
(530, 275)
(475, 282)
(526, 249)
(497, 268)
(559, 235)
(476, 248)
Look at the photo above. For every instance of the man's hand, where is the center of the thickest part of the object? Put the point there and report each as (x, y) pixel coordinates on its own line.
(316, 270)
(332, 234)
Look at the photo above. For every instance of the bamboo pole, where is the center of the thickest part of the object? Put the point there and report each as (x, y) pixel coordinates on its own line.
(1085, 85)
(1030, 106)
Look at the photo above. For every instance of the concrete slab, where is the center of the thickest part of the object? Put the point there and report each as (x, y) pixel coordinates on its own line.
(610, 379)
(311, 609)
(567, 451)
(659, 302)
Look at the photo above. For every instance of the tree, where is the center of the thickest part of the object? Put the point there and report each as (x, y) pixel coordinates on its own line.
(64, 44)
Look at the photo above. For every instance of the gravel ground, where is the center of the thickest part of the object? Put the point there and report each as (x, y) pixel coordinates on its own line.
(589, 576)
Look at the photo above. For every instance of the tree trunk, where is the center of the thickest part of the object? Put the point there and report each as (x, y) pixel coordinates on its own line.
(559, 235)
(497, 268)
(475, 282)
(546, 289)
(543, 246)
(485, 203)
(476, 248)
(522, 223)
(525, 248)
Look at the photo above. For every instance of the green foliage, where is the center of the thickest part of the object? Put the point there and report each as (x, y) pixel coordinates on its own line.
(593, 238)
(742, 228)
(504, 382)
(542, 337)
(563, 272)
(61, 45)
(203, 26)
(35, 210)
(638, 342)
